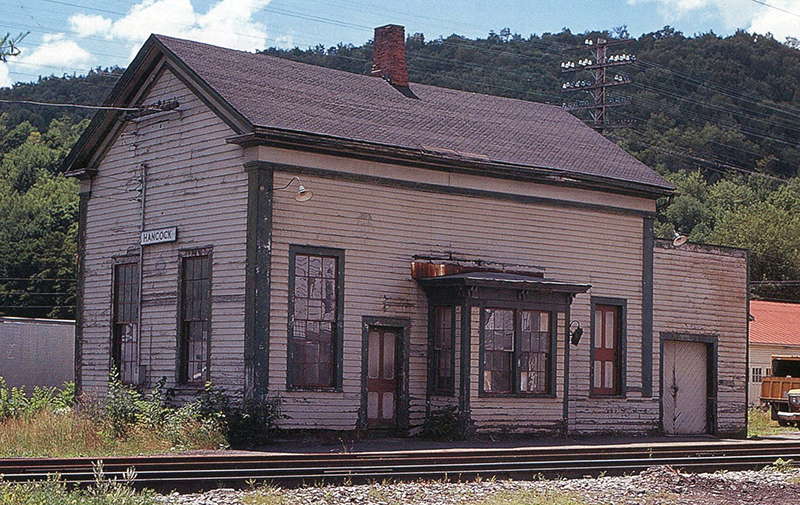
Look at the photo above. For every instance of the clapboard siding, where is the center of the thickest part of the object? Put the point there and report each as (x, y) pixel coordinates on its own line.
(195, 181)
(702, 290)
(381, 228)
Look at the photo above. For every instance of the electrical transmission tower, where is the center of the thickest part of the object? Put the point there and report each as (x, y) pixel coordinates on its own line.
(601, 79)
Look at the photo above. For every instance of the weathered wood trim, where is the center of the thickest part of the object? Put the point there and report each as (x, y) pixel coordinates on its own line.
(647, 307)
(403, 354)
(83, 205)
(339, 347)
(712, 384)
(747, 347)
(258, 281)
(465, 369)
(623, 345)
(370, 151)
(437, 188)
(181, 378)
(565, 399)
(208, 96)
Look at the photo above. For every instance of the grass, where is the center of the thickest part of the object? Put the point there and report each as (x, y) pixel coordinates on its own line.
(66, 433)
(265, 495)
(56, 492)
(759, 424)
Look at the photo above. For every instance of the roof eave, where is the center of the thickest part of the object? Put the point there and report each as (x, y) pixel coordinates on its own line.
(543, 286)
(298, 140)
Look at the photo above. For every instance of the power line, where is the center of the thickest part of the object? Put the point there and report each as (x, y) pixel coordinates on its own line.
(765, 4)
(72, 105)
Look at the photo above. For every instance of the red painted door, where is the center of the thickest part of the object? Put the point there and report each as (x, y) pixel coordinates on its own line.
(382, 377)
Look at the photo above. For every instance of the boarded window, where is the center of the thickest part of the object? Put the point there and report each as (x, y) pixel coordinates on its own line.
(607, 354)
(315, 315)
(125, 339)
(443, 343)
(195, 318)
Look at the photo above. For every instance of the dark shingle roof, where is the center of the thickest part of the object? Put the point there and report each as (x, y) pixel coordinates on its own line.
(278, 93)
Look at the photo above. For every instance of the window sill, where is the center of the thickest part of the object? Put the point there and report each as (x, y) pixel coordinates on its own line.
(517, 395)
(313, 389)
(620, 396)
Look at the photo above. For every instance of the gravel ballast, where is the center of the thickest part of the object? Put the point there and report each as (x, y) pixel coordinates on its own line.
(656, 486)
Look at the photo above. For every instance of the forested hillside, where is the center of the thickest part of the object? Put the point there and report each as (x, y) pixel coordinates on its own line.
(718, 116)
(38, 205)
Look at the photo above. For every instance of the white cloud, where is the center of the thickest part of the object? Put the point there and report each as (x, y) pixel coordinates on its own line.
(734, 13)
(228, 23)
(780, 24)
(56, 52)
(85, 25)
(5, 79)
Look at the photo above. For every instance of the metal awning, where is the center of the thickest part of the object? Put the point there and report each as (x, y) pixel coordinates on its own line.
(503, 280)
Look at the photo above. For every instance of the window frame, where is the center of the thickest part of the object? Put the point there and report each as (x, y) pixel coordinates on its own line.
(432, 370)
(338, 333)
(621, 304)
(182, 370)
(552, 311)
(117, 262)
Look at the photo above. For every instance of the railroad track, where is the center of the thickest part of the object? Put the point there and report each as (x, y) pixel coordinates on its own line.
(195, 472)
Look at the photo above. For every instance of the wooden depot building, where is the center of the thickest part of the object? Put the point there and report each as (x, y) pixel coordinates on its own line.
(372, 250)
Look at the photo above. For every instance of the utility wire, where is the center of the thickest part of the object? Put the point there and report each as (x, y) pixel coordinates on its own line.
(765, 4)
(74, 105)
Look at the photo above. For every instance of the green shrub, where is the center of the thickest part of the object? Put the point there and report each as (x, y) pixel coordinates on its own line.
(15, 403)
(442, 424)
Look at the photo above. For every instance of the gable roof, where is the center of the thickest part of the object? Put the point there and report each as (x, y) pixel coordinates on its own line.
(280, 96)
(775, 323)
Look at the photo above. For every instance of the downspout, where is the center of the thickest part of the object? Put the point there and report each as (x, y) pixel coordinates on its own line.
(140, 371)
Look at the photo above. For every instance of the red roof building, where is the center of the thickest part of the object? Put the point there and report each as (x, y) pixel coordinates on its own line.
(774, 330)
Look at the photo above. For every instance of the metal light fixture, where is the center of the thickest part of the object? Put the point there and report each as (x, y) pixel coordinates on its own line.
(576, 334)
(678, 239)
(303, 194)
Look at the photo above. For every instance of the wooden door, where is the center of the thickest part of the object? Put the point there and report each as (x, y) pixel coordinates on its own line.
(684, 393)
(382, 377)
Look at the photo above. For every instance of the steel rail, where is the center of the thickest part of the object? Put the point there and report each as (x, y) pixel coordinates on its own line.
(195, 472)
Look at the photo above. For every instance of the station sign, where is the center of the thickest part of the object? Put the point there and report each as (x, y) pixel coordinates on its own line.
(159, 236)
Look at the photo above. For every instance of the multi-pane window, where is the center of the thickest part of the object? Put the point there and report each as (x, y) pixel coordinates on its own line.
(195, 317)
(125, 338)
(534, 353)
(443, 340)
(757, 374)
(517, 355)
(607, 344)
(314, 319)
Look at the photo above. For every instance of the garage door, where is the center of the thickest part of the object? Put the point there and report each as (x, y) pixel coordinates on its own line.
(684, 394)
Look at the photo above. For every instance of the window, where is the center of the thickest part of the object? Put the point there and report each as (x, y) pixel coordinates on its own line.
(125, 337)
(195, 318)
(517, 355)
(757, 374)
(315, 307)
(443, 344)
(606, 350)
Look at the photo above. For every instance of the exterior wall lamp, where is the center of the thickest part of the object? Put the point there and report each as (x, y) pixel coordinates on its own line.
(576, 334)
(678, 239)
(303, 194)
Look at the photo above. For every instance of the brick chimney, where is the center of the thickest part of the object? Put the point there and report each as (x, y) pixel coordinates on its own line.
(389, 55)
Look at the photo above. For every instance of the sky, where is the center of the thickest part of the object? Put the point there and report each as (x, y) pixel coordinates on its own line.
(73, 36)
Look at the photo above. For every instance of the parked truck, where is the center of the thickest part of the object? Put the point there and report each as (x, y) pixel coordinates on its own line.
(775, 388)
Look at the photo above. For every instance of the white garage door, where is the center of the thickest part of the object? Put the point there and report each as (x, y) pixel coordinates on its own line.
(685, 392)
